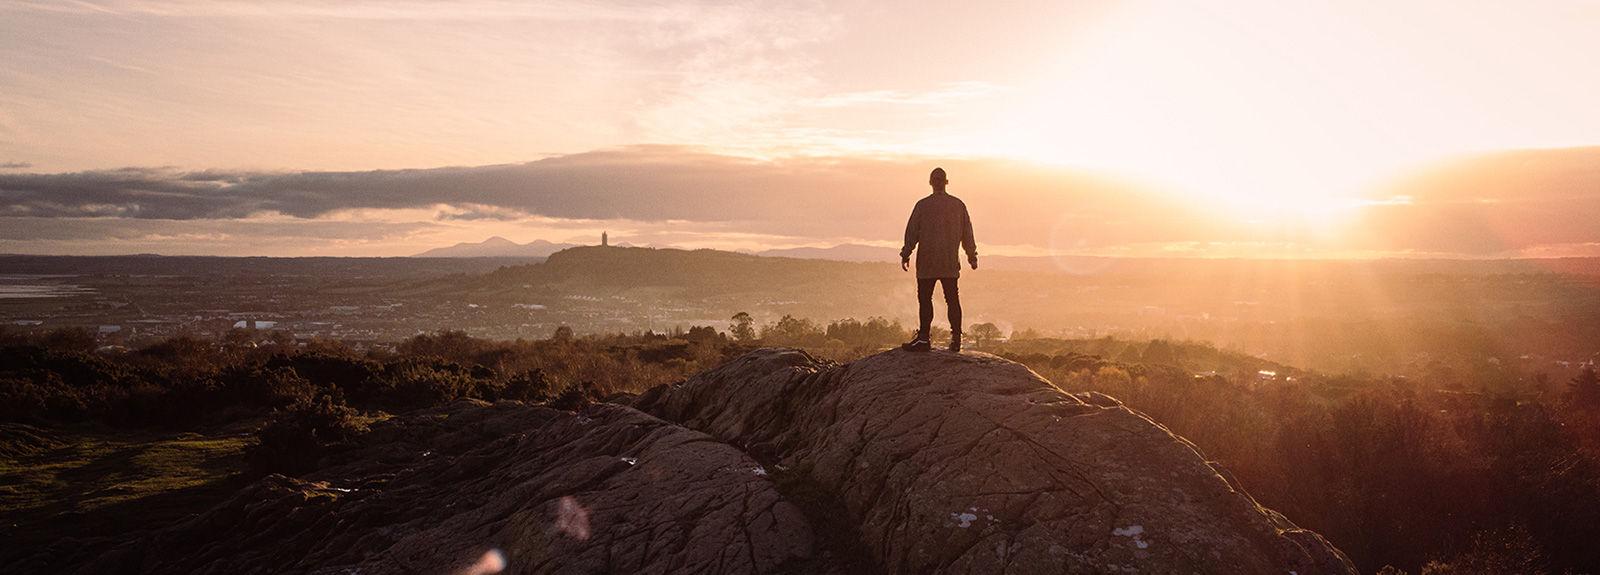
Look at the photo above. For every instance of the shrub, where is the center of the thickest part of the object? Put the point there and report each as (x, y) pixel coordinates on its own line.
(297, 437)
(453, 345)
(530, 386)
(327, 369)
(415, 384)
(269, 386)
(575, 397)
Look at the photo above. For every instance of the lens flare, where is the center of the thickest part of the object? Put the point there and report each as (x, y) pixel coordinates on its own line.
(491, 562)
(572, 519)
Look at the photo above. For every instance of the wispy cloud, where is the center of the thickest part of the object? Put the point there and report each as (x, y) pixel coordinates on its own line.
(396, 83)
(944, 95)
(356, 9)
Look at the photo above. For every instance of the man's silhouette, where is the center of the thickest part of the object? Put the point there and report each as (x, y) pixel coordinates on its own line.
(941, 226)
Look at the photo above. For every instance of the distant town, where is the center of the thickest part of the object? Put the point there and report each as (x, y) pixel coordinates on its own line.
(1394, 316)
(363, 302)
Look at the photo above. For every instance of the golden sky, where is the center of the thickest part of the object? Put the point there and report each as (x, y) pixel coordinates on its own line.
(1275, 113)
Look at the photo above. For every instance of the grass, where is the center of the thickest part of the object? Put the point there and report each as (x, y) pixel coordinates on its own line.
(103, 486)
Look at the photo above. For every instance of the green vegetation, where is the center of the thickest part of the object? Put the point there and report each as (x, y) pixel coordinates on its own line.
(1438, 472)
(93, 482)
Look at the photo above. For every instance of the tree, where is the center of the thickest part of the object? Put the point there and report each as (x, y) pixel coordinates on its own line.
(1028, 333)
(562, 334)
(1159, 352)
(702, 333)
(793, 331)
(984, 334)
(1584, 390)
(451, 344)
(876, 331)
(742, 328)
(69, 338)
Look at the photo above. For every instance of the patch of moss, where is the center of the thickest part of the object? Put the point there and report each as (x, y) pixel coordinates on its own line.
(99, 486)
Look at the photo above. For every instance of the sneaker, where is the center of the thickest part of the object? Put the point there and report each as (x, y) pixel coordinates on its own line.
(920, 343)
(955, 343)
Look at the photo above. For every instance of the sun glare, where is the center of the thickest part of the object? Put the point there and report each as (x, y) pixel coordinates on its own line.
(1186, 100)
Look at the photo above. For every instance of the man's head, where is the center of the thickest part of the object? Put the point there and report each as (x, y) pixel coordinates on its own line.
(937, 179)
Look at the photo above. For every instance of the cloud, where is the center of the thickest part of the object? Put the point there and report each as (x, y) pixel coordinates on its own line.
(1530, 202)
(1496, 204)
(113, 230)
(14, 165)
(474, 212)
(813, 197)
(354, 10)
(274, 237)
(946, 94)
(156, 193)
(299, 84)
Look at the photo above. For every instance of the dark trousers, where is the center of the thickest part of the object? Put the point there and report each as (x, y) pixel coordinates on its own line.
(952, 299)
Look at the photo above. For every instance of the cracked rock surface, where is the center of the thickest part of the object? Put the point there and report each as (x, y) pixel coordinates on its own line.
(773, 463)
(606, 490)
(973, 464)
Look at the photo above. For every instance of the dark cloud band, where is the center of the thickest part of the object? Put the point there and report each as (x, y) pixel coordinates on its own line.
(1488, 206)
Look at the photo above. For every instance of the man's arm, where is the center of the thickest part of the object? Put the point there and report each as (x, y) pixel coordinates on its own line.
(967, 242)
(913, 235)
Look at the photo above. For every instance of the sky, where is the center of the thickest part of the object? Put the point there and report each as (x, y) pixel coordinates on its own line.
(1225, 128)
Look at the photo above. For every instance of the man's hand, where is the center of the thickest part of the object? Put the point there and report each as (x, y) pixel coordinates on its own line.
(905, 264)
(973, 259)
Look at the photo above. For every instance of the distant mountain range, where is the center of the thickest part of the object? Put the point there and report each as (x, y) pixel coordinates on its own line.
(497, 247)
(841, 252)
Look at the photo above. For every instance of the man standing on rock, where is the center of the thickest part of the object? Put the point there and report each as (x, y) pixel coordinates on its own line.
(940, 225)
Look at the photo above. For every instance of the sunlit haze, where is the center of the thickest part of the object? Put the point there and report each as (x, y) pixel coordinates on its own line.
(1160, 127)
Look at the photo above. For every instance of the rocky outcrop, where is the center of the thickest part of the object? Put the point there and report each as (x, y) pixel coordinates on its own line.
(773, 463)
(473, 486)
(973, 464)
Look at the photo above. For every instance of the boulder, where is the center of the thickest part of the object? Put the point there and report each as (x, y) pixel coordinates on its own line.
(968, 463)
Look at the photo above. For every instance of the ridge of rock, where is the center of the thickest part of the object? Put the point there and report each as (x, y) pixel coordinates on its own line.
(605, 490)
(773, 463)
(974, 464)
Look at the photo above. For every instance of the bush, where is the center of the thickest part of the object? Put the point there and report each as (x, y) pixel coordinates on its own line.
(575, 397)
(425, 381)
(530, 386)
(327, 369)
(269, 386)
(452, 345)
(297, 437)
(40, 397)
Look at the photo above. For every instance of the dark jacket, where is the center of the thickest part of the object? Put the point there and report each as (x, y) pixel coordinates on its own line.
(939, 224)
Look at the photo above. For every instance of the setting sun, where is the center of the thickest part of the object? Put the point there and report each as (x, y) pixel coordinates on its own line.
(1270, 109)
